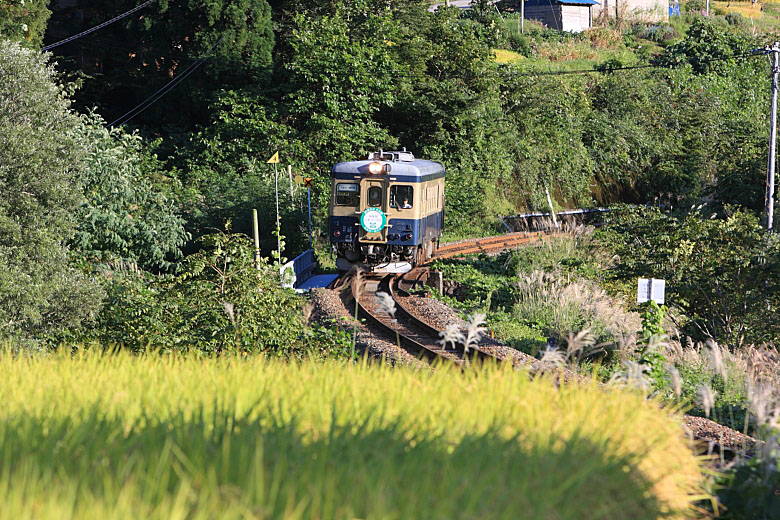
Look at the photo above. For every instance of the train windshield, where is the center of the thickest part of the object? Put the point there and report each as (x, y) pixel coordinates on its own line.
(375, 196)
(347, 194)
(401, 197)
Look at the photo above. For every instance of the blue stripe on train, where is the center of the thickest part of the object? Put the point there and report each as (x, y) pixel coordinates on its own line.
(426, 228)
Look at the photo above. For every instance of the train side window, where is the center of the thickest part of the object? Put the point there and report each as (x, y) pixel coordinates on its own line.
(375, 196)
(347, 194)
(401, 197)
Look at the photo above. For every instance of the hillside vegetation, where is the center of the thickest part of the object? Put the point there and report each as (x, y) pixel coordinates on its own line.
(324, 82)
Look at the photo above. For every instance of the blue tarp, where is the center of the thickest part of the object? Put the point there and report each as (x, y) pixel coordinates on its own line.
(320, 280)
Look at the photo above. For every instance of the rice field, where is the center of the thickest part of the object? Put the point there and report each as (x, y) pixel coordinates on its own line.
(116, 436)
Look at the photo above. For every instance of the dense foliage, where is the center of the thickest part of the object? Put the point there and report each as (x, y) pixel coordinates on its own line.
(219, 302)
(352, 77)
(24, 21)
(721, 273)
(130, 60)
(40, 153)
(128, 213)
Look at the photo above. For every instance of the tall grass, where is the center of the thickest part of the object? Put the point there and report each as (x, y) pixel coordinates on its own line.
(568, 306)
(116, 436)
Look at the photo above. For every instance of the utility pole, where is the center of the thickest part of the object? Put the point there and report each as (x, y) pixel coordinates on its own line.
(770, 177)
(522, 16)
(707, 9)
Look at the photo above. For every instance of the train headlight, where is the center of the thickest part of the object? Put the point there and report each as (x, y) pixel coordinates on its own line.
(375, 168)
(337, 233)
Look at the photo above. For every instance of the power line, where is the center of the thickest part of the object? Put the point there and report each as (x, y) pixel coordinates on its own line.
(124, 118)
(97, 27)
(102, 43)
(752, 53)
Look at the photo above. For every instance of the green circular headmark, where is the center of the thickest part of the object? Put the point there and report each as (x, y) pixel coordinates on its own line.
(373, 220)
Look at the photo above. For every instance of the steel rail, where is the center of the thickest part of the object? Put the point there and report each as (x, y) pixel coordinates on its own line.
(384, 323)
(416, 341)
(491, 244)
(473, 354)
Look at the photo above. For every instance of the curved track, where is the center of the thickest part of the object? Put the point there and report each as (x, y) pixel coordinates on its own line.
(413, 334)
(491, 244)
(410, 332)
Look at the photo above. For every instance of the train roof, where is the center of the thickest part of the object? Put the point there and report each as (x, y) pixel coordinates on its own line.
(403, 167)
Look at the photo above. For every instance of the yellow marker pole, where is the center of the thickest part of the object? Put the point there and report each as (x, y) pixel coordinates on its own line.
(278, 226)
(275, 160)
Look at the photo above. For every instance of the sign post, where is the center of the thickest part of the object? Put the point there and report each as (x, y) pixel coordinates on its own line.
(275, 160)
(257, 239)
(651, 289)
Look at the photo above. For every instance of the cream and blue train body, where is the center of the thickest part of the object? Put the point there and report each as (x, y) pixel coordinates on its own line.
(386, 213)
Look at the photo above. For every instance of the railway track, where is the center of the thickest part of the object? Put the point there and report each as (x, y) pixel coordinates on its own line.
(491, 244)
(413, 334)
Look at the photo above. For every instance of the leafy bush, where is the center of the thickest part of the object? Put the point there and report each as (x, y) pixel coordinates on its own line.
(706, 47)
(125, 216)
(659, 33)
(751, 490)
(219, 302)
(721, 273)
(736, 19)
(517, 40)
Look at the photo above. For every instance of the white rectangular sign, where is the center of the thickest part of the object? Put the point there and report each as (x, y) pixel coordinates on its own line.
(651, 289)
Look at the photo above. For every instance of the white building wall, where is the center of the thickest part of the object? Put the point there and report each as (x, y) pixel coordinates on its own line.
(548, 15)
(575, 17)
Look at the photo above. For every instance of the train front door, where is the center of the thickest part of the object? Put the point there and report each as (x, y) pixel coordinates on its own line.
(373, 211)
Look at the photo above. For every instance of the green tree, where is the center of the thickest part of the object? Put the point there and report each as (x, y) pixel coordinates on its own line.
(40, 154)
(707, 47)
(124, 215)
(24, 21)
(218, 303)
(320, 108)
(129, 60)
(721, 273)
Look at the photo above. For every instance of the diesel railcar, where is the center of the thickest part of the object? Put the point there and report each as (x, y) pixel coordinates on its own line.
(386, 213)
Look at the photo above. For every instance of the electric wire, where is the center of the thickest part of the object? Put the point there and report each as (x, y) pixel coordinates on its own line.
(101, 43)
(189, 70)
(161, 92)
(631, 67)
(97, 27)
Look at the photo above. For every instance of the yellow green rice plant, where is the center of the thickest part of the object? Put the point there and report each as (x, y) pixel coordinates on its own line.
(116, 436)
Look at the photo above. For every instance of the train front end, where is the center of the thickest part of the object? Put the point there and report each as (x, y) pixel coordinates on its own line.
(386, 213)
